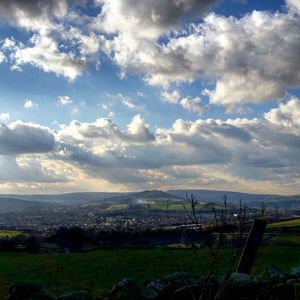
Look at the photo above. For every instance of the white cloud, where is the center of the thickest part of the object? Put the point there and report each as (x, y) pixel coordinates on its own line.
(104, 132)
(205, 151)
(287, 114)
(8, 44)
(171, 96)
(75, 111)
(30, 104)
(192, 104)
(4, 116)
(188, 103)
(44, 54)
(136, 26)
(88, 45)
(44, 49)
(64, 100)
(293, 5)
(104, 106)
(2, 57)
(251, 59)
(138, 130)
(119, 98)
(251, 149)
(127, 101)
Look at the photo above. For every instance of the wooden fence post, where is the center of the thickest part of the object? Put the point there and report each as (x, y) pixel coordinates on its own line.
(251, 247)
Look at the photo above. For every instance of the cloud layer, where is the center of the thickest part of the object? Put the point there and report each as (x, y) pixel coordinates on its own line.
(205, 151)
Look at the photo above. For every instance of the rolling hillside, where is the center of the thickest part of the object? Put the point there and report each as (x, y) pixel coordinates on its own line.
(147, 196)
(232, 197)
(143, 197)
(69, 198)
(7, 204)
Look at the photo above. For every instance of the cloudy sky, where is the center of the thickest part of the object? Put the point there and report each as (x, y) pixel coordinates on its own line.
(123, 95)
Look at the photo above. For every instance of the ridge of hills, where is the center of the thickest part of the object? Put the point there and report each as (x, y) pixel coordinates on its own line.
(216, 196)
(252, 200)
(11, 201)
(10, 204)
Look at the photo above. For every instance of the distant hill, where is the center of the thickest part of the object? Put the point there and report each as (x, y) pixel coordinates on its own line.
(99, 197)
(251, 200)
(232, 197)
(12, 204)
(171, 196)
(68, 198)
(143, 197)
(291, 202)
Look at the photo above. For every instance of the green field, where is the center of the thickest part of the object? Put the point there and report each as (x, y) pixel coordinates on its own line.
(287, 239)
(158, 205)
(117, 207)
(164, 206)
(289, 223)
(9, 233)
(97, 271)
(173, 206)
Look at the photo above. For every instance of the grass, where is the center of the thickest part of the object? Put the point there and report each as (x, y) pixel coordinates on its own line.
(159, 205)
(165, 206)
(97, 271)
(117, 207)
(9, 233)
(286, 239)
(289, 223)
(173, 206)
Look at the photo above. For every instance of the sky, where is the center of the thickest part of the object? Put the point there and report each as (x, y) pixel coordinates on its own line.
(126, 95)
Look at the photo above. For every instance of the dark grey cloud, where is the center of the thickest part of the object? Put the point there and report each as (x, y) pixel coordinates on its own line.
(232, 132)
(13, 10)
(23, 138)
(165, 13)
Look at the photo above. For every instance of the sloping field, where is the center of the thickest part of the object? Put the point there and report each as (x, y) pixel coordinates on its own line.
(97, 271)
(288, 223)
(9, 233)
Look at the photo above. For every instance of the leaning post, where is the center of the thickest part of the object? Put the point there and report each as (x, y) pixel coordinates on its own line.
(251, 247)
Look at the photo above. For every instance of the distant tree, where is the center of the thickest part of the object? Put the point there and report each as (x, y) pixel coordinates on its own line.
(7, 245)
(32, 245)
(72, 239)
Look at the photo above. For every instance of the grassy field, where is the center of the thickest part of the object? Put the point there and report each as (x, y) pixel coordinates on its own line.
(174, 206)
(97, 271)
(160, 205)
(289, 223)
(117, 207)
(164, 206)
(288, 239)
(9, 233)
